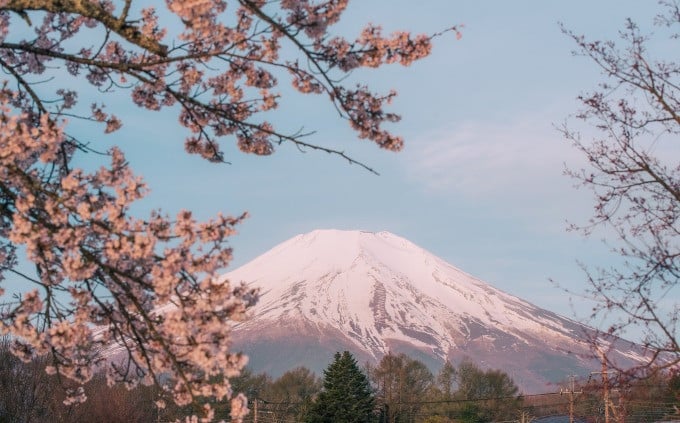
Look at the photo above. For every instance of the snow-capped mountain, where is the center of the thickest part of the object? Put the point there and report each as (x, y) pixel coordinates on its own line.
(373, 293)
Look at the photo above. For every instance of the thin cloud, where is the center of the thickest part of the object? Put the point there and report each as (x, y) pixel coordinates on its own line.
(476, 158)
(517, 166)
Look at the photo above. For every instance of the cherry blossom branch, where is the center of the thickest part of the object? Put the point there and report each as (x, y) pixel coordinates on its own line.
(91, 10)
(151, 284)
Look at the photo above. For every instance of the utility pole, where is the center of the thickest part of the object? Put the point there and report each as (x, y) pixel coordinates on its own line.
(571, 391)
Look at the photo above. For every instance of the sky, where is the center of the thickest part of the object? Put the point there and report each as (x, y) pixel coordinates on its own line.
(480, 181)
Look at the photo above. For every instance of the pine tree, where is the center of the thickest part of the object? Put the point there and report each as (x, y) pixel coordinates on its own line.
(346, 396)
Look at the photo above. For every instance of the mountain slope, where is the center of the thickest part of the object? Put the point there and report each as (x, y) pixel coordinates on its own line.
(373, 293)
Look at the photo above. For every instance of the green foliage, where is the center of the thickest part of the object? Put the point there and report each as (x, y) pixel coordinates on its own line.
(474, 383)
(294, 386)
(497, 396)
(346, 396)
(472, 413)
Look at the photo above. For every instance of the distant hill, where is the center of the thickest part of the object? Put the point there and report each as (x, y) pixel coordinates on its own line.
(372, 293)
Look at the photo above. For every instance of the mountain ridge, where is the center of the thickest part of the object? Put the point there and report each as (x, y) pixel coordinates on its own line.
(375, 293)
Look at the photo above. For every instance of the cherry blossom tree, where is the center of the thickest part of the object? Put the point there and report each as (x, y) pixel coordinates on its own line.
(634, 174)
(101, 273)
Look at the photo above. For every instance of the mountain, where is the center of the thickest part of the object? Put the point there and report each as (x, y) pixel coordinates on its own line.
(374, 293)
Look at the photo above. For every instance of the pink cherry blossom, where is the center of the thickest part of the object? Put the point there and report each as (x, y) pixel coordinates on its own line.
(150, 284)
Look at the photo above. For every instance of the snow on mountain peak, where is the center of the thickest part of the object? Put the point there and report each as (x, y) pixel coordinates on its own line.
(326, 249)
(378, 288)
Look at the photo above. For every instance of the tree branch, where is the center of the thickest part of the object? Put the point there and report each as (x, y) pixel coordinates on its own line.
(92, 10)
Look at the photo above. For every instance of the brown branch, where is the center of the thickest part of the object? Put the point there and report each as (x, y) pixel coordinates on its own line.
(92, 10)
(22, 82)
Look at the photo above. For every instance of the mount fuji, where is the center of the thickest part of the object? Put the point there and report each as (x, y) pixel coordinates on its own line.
(375, 293)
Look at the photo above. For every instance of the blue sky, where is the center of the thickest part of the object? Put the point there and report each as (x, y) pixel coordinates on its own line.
(479, 182)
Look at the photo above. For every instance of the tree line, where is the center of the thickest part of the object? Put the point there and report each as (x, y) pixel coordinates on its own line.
(402, 389)
(398, 389)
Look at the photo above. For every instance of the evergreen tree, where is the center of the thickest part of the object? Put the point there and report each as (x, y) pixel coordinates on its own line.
(346, 396)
